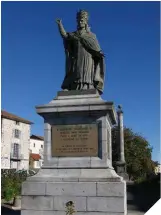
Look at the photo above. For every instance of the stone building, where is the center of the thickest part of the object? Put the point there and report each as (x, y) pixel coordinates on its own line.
(15, 141)
(36, 144)
(36, 151)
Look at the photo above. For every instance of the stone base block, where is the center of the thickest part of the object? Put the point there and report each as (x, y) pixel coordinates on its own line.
(89, 198)
(27, 212)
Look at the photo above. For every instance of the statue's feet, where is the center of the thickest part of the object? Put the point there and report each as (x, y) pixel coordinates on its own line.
(85, 87)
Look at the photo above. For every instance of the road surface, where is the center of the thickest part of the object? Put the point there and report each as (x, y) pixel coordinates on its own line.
(6, 211)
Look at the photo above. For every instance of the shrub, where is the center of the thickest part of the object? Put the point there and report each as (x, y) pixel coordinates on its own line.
(11, 184)
(11, 181)
(70, 210)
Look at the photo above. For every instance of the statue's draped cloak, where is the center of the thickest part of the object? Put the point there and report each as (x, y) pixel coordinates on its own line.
(82, 62)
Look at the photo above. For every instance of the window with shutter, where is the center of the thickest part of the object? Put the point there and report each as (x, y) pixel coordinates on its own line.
(16, 150)
(17, 122)
(17, 133)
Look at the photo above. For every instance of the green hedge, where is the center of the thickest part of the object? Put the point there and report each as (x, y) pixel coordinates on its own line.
(11, 181)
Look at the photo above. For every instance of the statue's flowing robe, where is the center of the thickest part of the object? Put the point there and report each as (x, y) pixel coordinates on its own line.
(83, 66)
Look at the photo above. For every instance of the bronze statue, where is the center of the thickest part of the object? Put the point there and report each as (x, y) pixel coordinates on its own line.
(85, 67)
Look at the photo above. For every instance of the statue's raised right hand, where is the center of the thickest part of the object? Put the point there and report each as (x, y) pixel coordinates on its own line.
(58, 21)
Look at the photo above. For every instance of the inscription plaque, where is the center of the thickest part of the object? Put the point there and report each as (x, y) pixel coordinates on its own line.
(75, 140)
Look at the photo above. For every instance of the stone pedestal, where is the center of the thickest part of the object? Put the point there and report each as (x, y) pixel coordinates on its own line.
(89, 181)
(121, 170)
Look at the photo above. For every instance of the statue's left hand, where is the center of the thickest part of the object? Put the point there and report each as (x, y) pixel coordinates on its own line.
(102, 54)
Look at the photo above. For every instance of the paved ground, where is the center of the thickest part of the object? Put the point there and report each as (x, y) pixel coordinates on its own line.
(135, 213)
(6, 211)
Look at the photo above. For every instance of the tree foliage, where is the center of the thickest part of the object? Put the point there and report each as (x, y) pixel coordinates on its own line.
(137, 154)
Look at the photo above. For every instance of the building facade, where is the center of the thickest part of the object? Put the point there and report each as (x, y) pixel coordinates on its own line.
(15, 141)
(36, 151)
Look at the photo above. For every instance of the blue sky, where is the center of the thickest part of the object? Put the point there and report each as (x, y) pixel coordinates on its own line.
(33, 58)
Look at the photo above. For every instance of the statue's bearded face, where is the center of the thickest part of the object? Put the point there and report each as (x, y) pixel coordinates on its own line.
(81, 23)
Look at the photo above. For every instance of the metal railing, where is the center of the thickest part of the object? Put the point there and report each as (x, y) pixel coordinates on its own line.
(16, 156)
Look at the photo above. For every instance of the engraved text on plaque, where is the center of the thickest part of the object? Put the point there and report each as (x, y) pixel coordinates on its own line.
(75, 140)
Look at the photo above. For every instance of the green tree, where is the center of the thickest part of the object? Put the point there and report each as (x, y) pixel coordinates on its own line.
(137, 154)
